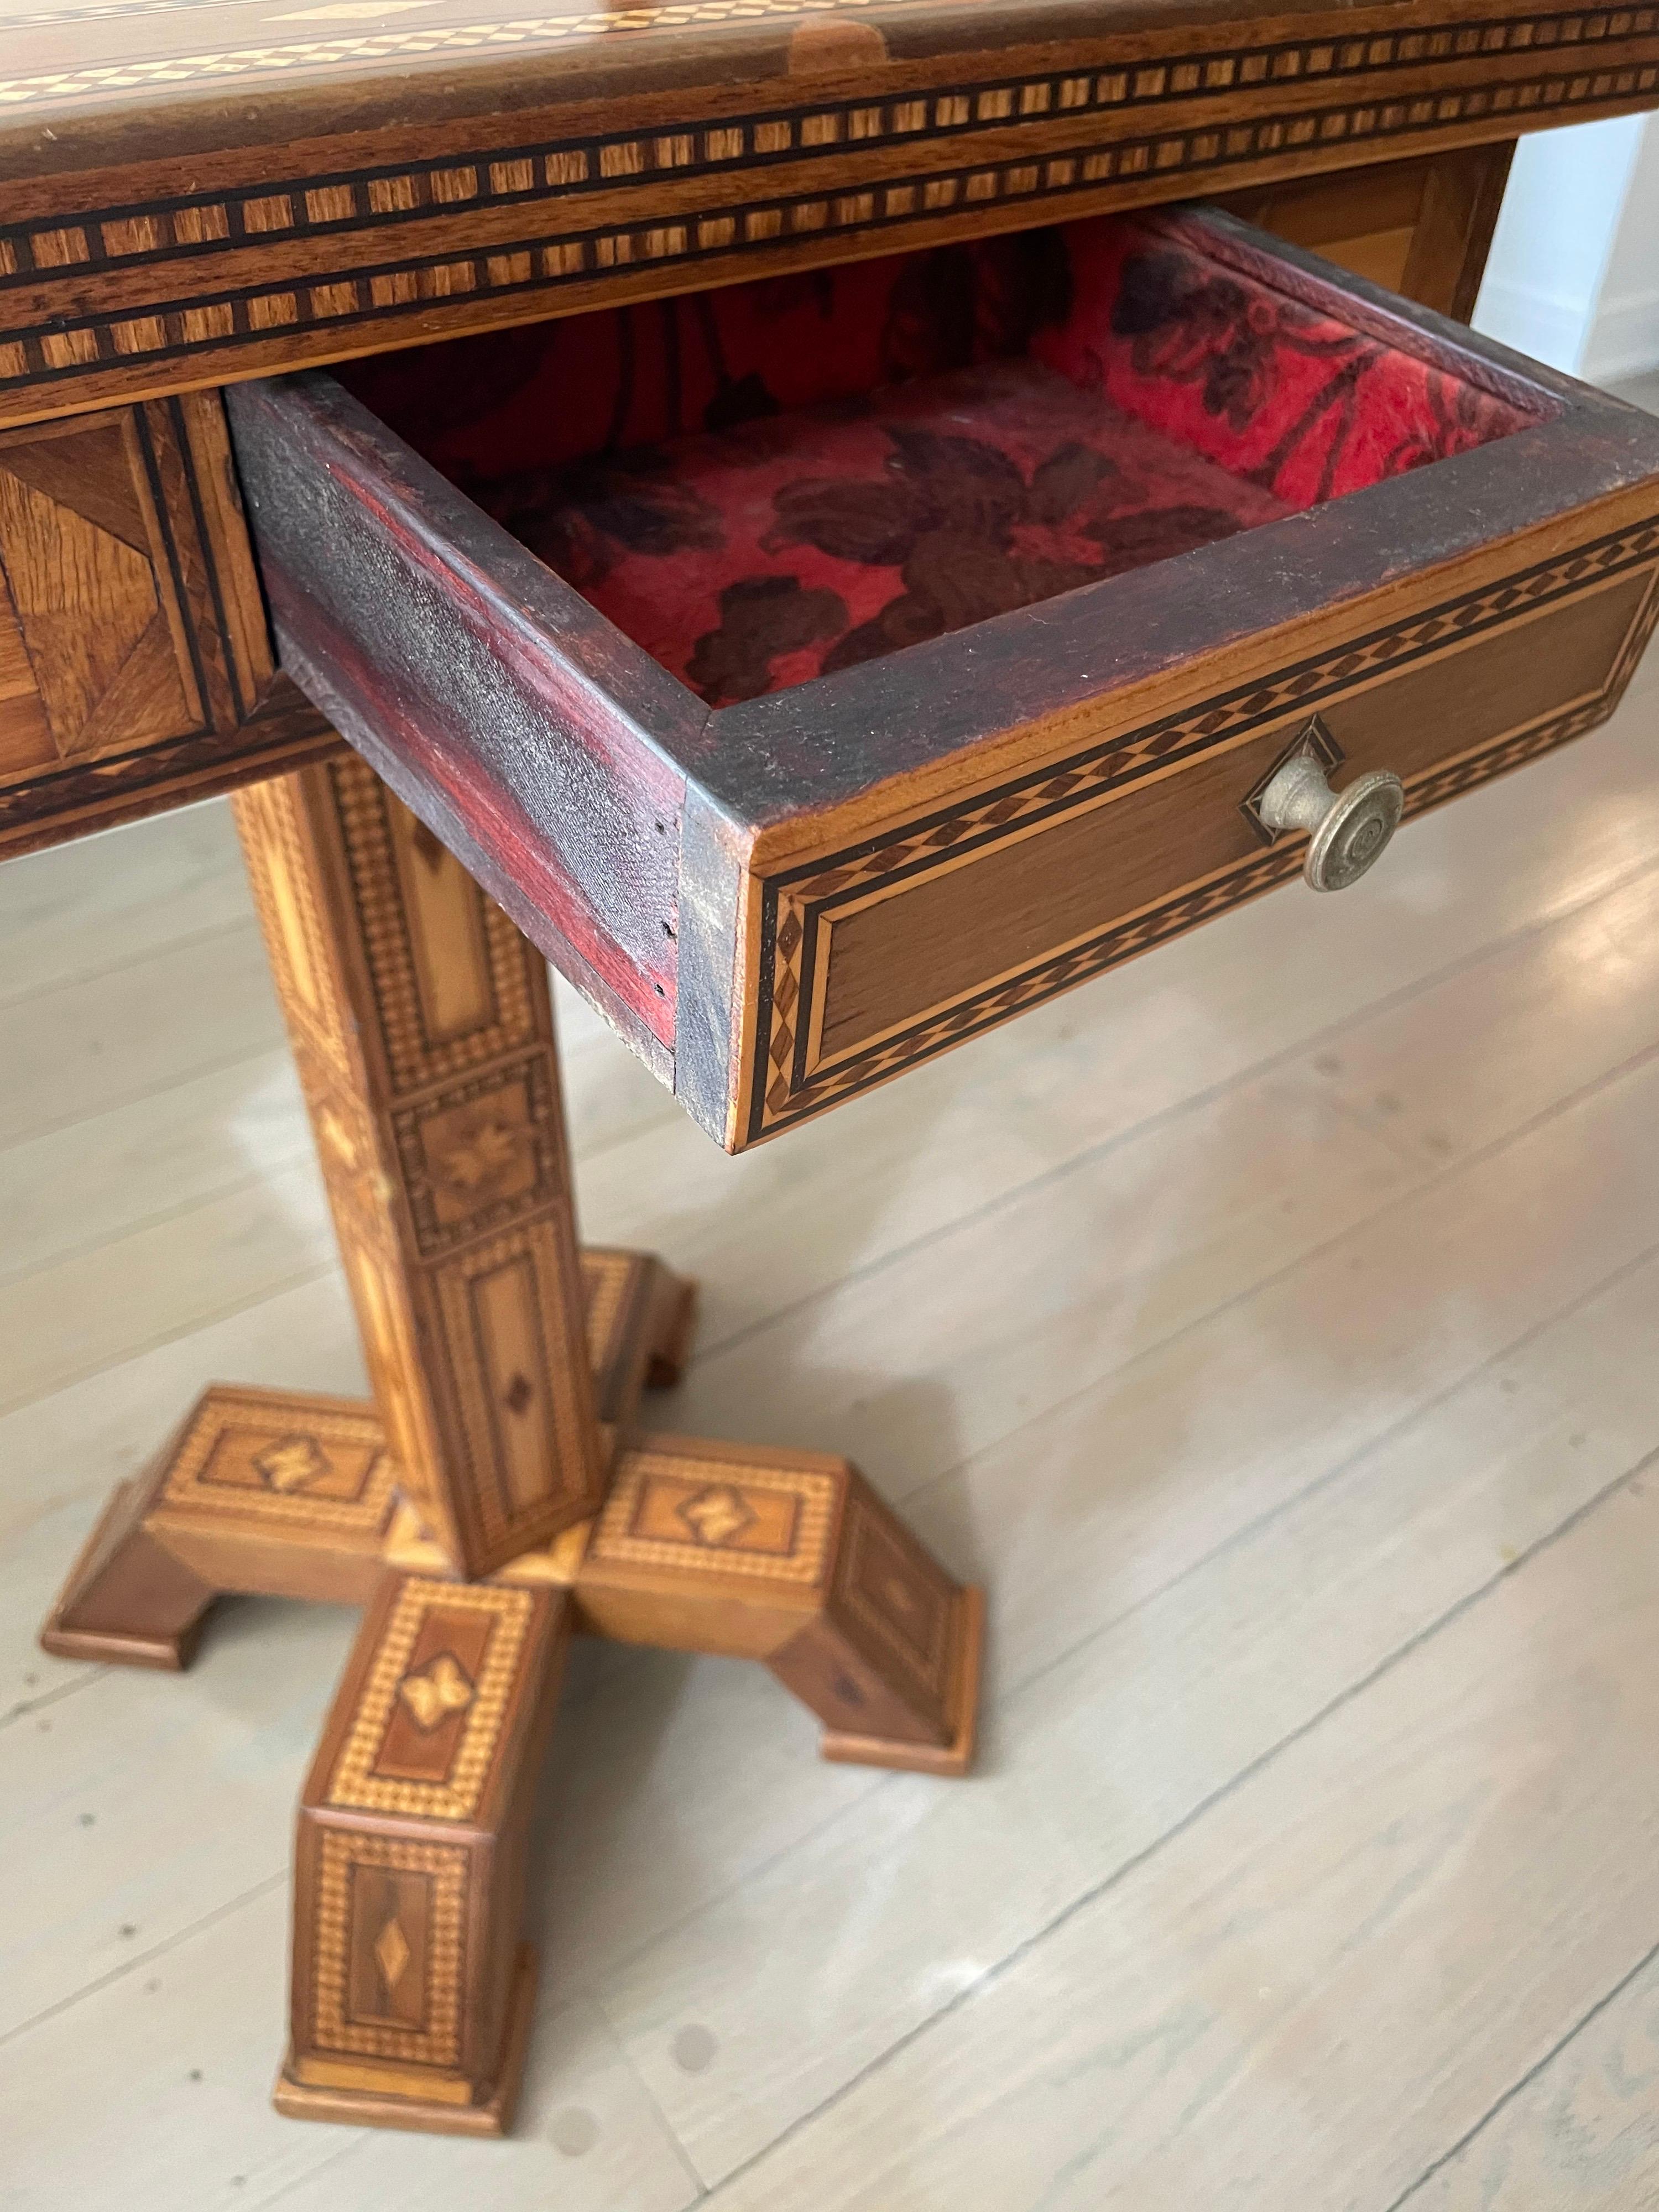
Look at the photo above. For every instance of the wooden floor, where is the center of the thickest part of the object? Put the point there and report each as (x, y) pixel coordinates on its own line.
(1273, 1327)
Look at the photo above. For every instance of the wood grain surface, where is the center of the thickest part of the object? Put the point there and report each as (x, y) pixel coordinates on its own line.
(1422, 228)
(1277, 1289)
(229, 190)
(784, 900)
(479, 683)
(135, 659)
(424, 1038)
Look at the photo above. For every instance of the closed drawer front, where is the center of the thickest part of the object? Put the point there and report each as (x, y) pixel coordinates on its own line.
(135, 664)
(822, 673)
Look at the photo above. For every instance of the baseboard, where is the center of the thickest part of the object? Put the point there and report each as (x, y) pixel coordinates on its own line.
(1546, 325)
(1623, 339)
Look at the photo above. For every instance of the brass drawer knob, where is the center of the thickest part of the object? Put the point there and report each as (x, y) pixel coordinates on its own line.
(1346, 828)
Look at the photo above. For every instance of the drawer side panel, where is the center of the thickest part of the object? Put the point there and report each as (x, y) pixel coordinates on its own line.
(513, 720)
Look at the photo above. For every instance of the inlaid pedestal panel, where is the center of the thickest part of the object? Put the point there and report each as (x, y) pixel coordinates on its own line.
(497, 1493)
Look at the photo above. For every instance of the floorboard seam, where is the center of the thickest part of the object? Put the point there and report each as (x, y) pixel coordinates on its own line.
(210, 934)
(275, 1290)
(1170, 1116)
(1523, 2081)
(259, 1179)
(47, 1698)
(1250, 1530)
(1240, 1537)
(1233, 1543)
(992, 1975)
(1432, 1181)
(129, 1966)
(123, 1099)
(299, 2180)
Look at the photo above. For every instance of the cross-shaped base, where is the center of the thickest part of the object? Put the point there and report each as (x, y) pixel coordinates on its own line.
(412, 1991)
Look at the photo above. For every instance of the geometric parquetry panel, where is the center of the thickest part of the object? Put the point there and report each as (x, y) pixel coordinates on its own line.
(389, 1936)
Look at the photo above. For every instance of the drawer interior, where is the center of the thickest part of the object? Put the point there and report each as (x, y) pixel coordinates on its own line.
(765, 485)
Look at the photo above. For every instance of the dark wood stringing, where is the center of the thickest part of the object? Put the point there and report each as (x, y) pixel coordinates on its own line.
(206, 237)
(552, 783)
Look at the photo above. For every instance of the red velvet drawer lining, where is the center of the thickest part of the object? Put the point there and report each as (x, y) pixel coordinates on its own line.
(767, 484)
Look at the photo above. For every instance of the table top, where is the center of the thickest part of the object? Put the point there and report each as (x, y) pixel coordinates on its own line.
(216, 74)
(197, 190)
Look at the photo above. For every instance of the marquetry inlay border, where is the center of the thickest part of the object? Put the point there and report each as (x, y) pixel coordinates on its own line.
(374, 46)
(513, 1102)
(132, 233)
(415, 1058)
(36, 809)
(1072, 130)
(278, 871)
(445, 1868)
(354, 1785)
(202, 576)
(519, 1265)
(794, 903)
(275, 1420)
(810, 1501)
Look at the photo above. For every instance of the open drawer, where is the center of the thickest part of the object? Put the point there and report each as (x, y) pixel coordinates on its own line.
(823, 670)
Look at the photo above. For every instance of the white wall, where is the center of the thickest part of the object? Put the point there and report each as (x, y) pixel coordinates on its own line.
(1573, 277)
(1624, 335)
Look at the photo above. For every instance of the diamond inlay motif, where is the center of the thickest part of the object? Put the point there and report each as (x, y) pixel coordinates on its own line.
(442, 1687)
(716, 1515)
(391, 1955)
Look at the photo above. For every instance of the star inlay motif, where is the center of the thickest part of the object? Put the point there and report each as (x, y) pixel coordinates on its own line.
(489, 1151)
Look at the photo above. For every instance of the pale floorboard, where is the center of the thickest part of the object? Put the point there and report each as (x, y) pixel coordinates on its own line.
(1270, 1324)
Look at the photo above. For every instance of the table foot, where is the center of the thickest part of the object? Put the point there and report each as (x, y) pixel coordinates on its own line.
(409, 1983)
(368, 2105)
(792, 1559)
(127, 1599)
(951, 1760)
(291, 1493)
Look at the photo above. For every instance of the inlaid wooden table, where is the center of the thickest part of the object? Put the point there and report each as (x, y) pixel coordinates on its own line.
(803, 533)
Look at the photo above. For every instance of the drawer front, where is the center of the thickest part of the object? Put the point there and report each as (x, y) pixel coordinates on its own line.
(135, 665)
(787, 897)
(891, 950)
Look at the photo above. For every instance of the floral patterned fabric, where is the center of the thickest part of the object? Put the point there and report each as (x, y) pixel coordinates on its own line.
(482, 407)
(752, 558)
(1274, 390)
(769, 483)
